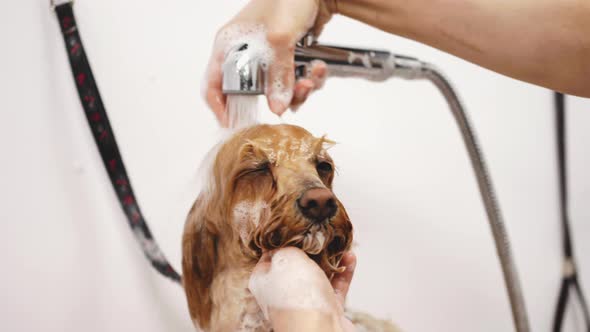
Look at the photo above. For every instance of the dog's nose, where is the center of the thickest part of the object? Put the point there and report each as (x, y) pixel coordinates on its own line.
(318, 204)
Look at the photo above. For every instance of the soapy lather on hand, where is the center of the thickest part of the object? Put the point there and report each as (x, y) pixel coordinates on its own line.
(295, 294)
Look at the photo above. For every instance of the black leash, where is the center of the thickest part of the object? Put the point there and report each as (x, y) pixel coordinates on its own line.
(570, 271)
(105, 140)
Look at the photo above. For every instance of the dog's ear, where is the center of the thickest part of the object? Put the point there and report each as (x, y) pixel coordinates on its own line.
(199, 255)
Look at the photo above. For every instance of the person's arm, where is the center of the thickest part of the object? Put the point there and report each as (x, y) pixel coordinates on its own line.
(544, 42)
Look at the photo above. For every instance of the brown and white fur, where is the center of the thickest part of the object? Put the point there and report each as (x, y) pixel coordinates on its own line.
(271, 187)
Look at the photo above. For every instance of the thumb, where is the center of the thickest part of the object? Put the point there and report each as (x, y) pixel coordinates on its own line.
(341, 281)
(212, 91)
(263, 265)
(325, 11)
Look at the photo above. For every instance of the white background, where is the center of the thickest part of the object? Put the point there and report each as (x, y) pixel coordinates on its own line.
(426, 258)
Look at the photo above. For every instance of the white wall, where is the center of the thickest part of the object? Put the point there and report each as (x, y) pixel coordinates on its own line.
(426, 257)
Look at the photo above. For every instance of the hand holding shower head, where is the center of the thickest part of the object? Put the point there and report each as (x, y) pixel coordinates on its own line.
(243, 70)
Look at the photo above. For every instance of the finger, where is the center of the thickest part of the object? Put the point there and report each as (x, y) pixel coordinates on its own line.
(347, 325)
(213, 92)
(341, 281)
(266, 257)
(279, 86)
(216, 101)
(318, 73)
(325, 11)
(263, 265)
(303, 88)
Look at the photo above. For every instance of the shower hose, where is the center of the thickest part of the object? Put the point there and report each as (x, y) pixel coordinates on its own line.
(510, 274)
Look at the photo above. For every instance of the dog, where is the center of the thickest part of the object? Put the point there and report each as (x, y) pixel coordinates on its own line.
(270, 187)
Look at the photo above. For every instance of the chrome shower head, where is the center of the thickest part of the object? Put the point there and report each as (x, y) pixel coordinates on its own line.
(243, 71)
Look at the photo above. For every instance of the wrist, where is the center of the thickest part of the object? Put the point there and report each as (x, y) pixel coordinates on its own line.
(291, 320)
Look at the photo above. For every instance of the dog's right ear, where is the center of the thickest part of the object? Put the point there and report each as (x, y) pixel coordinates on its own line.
(199, 255)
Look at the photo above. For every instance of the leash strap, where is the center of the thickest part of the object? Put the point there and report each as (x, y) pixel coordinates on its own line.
(105, 140)
(570, 271)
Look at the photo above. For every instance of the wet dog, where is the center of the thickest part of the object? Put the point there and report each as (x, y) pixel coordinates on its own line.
(270, 187)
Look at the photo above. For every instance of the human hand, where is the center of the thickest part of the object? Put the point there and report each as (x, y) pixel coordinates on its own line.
(295, 294)
(274, 26)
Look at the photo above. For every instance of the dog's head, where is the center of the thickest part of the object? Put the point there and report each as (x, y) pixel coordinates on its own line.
(271, 187)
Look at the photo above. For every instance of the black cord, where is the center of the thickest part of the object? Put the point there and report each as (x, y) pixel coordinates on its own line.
(570, 272)
(104, 137)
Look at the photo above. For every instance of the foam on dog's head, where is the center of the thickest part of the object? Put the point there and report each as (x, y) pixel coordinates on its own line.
(247, 216)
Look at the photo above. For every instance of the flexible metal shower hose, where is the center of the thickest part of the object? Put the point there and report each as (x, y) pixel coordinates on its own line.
(519, 314)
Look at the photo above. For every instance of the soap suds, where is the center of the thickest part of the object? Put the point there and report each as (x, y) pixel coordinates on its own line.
(313, 242)
(278, 91)
(274, 289)
(236, 35)
(254, 35)
(288, 149)
(246, 217)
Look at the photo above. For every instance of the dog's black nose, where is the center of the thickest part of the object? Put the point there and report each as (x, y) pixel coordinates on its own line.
(318, 204)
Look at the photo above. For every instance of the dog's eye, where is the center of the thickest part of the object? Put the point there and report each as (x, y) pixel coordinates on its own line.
(263, 168)
(324, 167)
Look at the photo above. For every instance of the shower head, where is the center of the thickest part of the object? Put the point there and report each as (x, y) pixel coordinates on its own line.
(243, 71)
